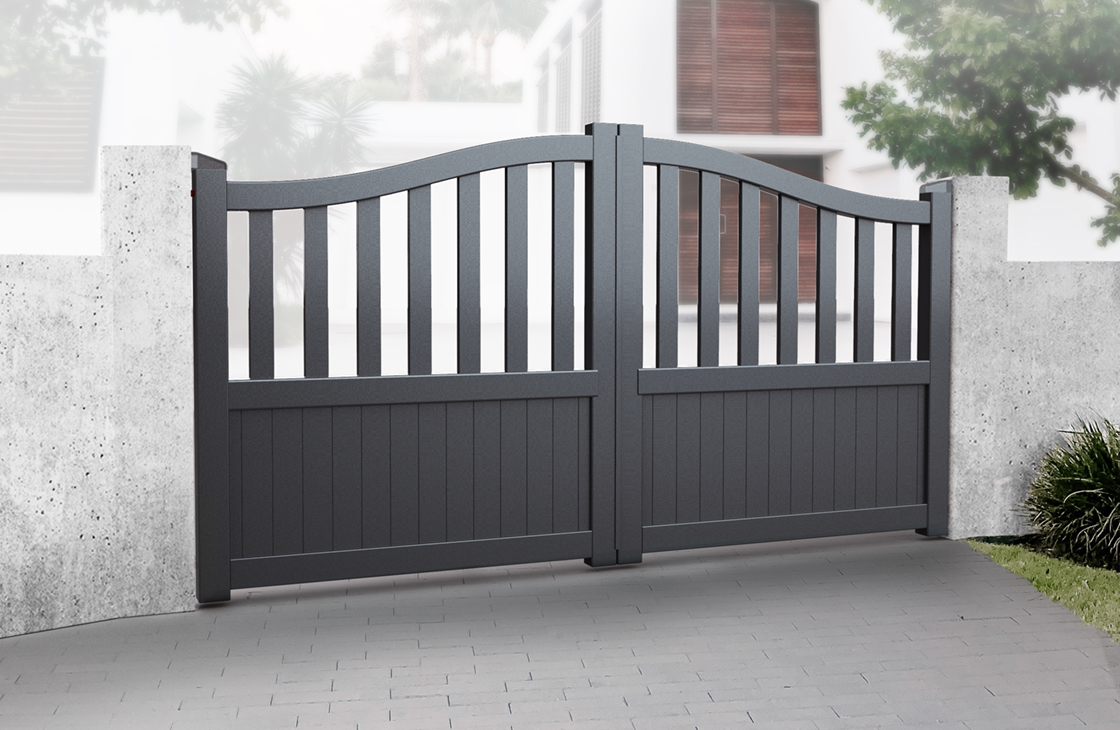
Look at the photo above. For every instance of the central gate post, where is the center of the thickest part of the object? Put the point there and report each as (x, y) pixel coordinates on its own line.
(629, 188)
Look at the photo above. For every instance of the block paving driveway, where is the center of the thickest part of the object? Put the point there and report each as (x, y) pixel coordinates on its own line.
(876, 631)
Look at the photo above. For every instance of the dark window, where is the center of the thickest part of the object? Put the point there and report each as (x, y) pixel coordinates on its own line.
(747, 67)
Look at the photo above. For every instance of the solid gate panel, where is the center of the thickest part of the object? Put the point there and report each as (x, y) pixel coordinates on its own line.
(688, 458)
(235, 496)
(404, 464)
(487, 469)
(844, 494)
(460, 471)
(318, 478)
(824, 445)
(711, 456)
(781, 451)
(758, 453)
(513, 462)
(256, 483)
(908, 444)
(866, 438)
(801, 460)
(287, 480)
(664, 510)
(734, 455)
(432, 476)
(567, 444)
(346, 469)
(584, 446)
(539, 467)
(886, 457)
(376, 435)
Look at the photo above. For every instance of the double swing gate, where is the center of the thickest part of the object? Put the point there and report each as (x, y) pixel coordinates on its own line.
(326, 478)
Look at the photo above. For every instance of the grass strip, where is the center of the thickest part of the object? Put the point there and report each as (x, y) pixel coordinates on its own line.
(1091, 593)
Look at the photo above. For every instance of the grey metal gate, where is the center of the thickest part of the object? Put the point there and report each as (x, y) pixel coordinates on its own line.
(325, 478)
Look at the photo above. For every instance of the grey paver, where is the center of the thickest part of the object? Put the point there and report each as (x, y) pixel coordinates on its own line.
(878, 631)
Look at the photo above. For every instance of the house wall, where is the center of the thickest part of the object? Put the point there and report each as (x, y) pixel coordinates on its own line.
(97, 410)
(1034, 347)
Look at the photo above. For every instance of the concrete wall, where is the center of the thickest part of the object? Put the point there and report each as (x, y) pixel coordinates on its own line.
(1035, 345)
(97, 410)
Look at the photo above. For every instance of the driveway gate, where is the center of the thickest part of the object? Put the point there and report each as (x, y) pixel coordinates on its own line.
(325, 478)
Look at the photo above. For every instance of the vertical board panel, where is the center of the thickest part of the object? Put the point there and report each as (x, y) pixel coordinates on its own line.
(347, 477)
(758, 453)
(566, 438)
(826, 286)
(711, 456)
(863, 324)
(688, 457)
(256, 483)
(664, 459)
(707, 308)
(287, 481)
(235, 491)
(824, 449)
(886, 449)
(901, 292)
(923, 444)
(487, 469)
(369, 286)
(801, 462)
(513, 468)
(432, 478)
(584, 445)
(318, 500)
(376, 475)
(563, 265)
(749, 222)
(538, 429)
(668, 261)
(469, 317)
(789, 215)
(261, 327)
(866, 439)
(460, 471)
(647, 460)
(781, 451)
(908, 444)
(734, 455)
(404, 456)
(315, 316)
(420, 281)
(845, 439)
(517, 269)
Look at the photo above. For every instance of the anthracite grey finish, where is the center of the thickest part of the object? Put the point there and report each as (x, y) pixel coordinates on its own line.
(323, 478)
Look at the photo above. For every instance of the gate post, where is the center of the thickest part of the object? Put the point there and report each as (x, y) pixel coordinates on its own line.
(628, 342)
(211, 379)
(934, 270)
(599, 337)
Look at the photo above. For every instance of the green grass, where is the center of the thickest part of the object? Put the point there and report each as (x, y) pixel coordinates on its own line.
(1091, 593)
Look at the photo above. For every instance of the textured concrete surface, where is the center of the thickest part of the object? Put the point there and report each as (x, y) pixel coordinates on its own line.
(880, 631)
(1035, 345)
(96, 410)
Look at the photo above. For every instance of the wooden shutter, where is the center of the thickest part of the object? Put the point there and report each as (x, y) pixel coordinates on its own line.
(694, 66)
(798, 85)
(744, 73)
(747, 67)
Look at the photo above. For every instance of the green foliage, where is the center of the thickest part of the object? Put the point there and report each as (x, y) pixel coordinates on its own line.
(1074, 502)
(39, 38)
(980, 84)
(1091, 593)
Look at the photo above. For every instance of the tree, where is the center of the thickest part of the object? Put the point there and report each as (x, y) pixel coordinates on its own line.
(982, 80)
(40, 38)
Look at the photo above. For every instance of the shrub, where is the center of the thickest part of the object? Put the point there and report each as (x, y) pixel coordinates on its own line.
(1074, 502)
